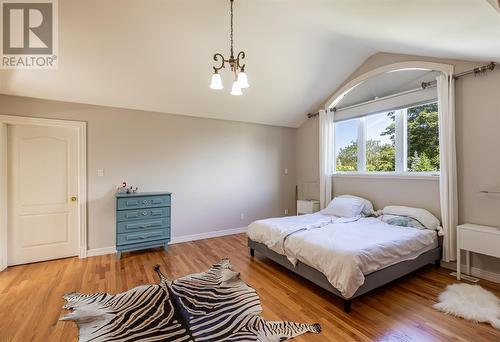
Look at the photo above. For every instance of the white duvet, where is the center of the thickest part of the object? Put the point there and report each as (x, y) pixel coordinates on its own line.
(274, 231)
(343, 251)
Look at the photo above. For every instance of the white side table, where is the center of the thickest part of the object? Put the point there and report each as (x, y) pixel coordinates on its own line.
(307, 206)
(477, 239)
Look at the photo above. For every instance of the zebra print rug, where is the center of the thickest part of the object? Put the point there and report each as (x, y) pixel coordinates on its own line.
(215, 305)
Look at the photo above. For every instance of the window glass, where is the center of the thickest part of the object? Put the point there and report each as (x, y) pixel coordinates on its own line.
(380, 142)
(346, 145)
(423, 138)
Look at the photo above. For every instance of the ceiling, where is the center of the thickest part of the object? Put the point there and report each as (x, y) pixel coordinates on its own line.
(386, 84)
(156, 55)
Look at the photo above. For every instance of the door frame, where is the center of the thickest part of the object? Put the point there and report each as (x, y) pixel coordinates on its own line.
(81, 129)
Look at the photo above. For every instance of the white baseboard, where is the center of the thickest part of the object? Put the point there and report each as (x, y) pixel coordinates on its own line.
(179, 239)
(476, 272)
(101, 251)
(209, 235)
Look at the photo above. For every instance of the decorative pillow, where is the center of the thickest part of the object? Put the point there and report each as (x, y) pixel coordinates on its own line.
(344, 207)
(367, 205)
(423, 216)
(402, 221)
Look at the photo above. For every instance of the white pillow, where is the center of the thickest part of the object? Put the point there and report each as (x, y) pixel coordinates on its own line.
(367, 205)
(421, 215)
(344, 207)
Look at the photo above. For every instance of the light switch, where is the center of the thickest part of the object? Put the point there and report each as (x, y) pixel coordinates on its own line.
(286, 171)
(100, 172)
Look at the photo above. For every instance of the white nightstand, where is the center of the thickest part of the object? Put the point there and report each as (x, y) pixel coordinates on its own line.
(307, 206)
(477, 239)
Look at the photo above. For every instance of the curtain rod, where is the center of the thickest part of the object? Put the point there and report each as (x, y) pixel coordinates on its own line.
(406, 92)
(312, 115)
(476, 71)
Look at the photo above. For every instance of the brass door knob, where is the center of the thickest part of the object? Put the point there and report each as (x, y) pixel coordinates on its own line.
(74, 199)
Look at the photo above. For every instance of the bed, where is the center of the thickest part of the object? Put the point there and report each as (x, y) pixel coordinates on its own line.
(347, 257)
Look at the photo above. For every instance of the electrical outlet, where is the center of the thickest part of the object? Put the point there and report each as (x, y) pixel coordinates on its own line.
(286, 211)
(242, 216)
(286, 171)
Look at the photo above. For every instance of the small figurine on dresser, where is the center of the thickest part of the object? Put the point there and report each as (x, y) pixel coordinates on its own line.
(126, 190)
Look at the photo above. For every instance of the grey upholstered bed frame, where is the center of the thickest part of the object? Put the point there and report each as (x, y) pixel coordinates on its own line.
(372, 280)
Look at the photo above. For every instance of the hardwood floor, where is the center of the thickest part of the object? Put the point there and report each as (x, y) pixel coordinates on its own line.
(30, 295)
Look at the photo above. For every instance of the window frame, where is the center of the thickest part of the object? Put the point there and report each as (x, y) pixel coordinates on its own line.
(401, 147)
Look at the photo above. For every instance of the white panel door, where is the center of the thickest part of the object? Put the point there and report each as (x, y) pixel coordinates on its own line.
(42, 183)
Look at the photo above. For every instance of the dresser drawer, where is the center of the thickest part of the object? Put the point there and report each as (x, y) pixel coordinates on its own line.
(143, 202)
(138, 237)
(139, 225)
(127, 215)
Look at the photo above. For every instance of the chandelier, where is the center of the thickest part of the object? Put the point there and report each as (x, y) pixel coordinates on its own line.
(237, 68)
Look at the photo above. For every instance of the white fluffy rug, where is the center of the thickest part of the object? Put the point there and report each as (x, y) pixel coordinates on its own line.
(471, 302)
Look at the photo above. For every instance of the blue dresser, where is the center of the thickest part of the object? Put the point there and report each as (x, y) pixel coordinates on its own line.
(142, 221)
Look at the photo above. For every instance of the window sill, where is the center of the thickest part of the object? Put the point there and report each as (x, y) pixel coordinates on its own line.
(389, 175)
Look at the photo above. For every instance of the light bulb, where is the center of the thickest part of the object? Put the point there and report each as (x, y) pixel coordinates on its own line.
(243, 80)
(216, 82)
(236, 90)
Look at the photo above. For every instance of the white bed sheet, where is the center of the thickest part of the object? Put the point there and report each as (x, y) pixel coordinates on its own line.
(343, 251)
(272, 231)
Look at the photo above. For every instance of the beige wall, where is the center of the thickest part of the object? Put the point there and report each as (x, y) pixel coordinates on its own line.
(216, 170)
(478, 156)
(385, 191)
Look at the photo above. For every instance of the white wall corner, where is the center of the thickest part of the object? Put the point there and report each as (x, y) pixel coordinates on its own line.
(475, 272)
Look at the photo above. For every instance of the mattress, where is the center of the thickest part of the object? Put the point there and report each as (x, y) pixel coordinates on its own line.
(344, 251)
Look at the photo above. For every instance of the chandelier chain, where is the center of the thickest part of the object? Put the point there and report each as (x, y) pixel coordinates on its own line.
(232, 50)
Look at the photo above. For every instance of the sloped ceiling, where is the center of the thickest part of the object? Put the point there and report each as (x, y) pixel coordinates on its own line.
(157, 55)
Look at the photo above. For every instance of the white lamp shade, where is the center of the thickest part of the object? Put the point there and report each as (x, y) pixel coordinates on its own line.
(236, 90)
(216, 82)
(243, 80)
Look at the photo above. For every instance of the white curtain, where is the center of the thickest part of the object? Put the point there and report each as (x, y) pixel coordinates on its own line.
(448, 178)
(326, 156)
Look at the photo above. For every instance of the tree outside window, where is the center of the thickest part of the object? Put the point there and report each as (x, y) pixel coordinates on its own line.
(421, 127)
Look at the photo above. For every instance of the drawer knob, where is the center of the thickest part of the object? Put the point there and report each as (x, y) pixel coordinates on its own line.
(144, 213)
